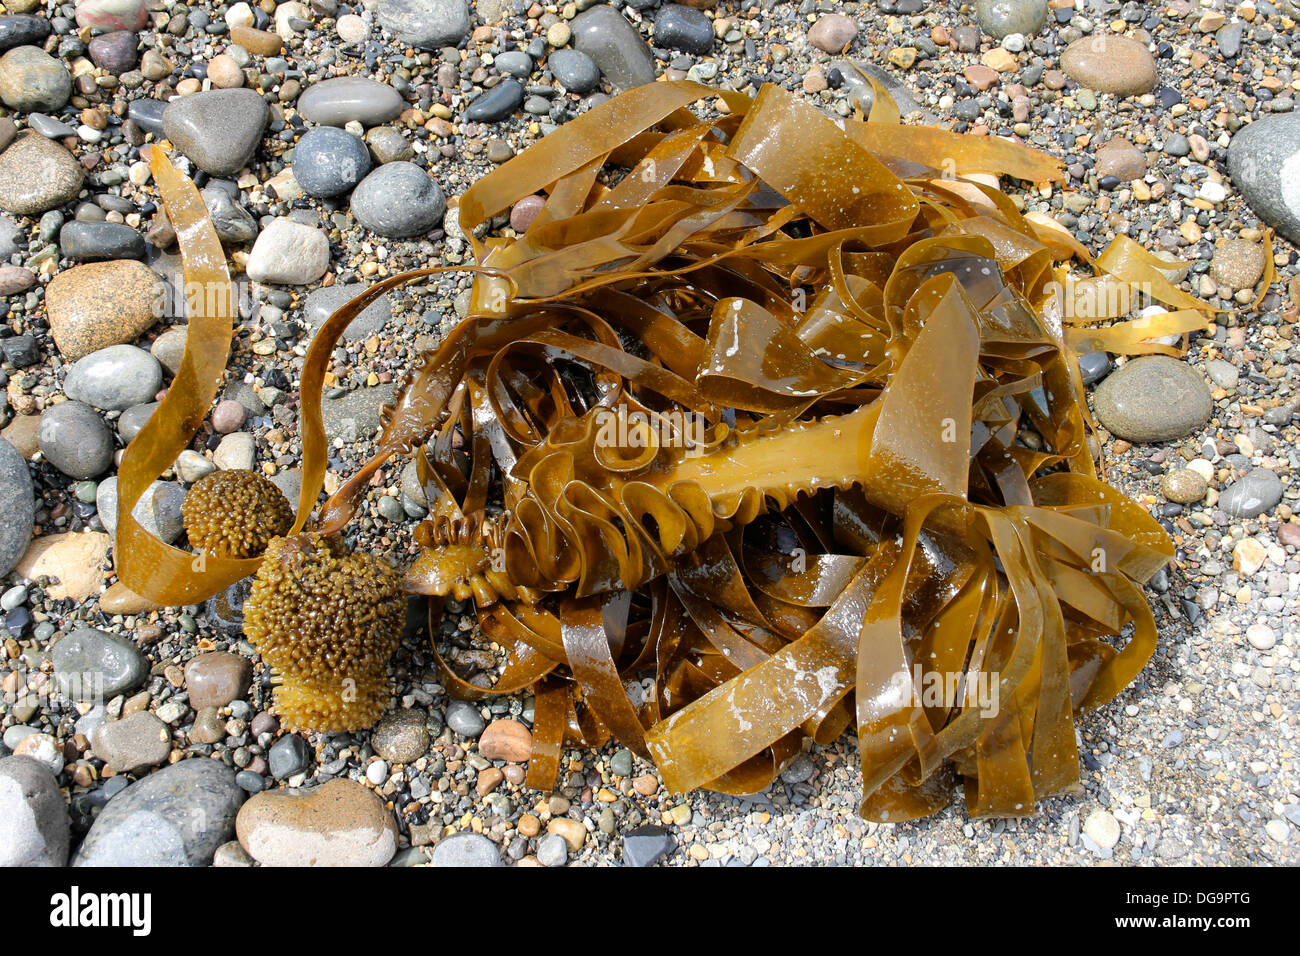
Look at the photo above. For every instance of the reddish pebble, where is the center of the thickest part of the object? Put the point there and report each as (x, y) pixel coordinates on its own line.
(506, 740)
(1289, 534)
(525, 211)
(228, 416)
(979, 76)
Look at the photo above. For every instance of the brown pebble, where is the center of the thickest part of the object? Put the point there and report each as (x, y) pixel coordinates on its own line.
(529, 825)
(506, 740)
(257, 42)
(217, 678)
(488, 780)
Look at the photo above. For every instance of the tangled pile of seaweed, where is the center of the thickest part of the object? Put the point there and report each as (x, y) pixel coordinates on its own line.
(764, 425)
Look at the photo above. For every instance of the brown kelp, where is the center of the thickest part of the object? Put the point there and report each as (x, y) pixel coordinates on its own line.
(768, 426)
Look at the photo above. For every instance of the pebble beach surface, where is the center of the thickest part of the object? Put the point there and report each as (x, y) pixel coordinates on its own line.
(331, 142)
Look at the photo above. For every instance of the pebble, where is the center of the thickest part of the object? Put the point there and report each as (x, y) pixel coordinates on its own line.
(42, 748)
(345, 99)
(377, 772)
(324, 302)
(232, 855)
(228, 416)
(497, 103)
(646, 845)
(1261, 637)
(552, 850)
(1237, 263)
(32, 80)
(1119, 158)
(88, 656)
(399, 200)
(506, 740)
(1258, 491)
(832, 32)
(158, 511)
(34, 829)
(107, 15)
(176, 816)
(1153, 398)
(237, 452)
(401, 737)
(17, 504)
(515, 63)
(289, 253)
(71, 560)
(13, 281)
(215, 678)
(466, 850)
(525, 211)
(22, 29)
(615, 46)
(683, 28)
(219, 130)
(169, 347)
(115, 53)
(1184, 486)
(83, 241)
(233, 223)
(340, 823)
(388, 145)
(100, 304)
(1001, 18)
(1102, 828)
(133, 743)
(427, 24)
(328, 161)
(74, 439)
(464, 718)
(1264, 162)
(574, 70)
(115, 378)
(1110, 64)
(288, 757)
(37, 175)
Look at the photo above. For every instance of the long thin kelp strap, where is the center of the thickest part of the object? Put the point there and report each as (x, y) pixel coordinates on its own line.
(144, 563)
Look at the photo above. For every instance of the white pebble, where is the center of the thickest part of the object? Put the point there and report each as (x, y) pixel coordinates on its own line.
(140, 173)
(377, 772)
(1261, 637)
(1013, 42)
(1212, 192)
(1102, 829)
(240, 15)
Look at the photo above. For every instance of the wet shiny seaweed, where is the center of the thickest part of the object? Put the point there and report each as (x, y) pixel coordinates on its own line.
(851, 457)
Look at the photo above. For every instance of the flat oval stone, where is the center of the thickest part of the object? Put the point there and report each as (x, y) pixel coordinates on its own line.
(466, 850)
(1110, 64)
(114, 53)
(506, 740)
(22, 29)
(133, 743)
(216, 678)
(682, 28)
(1153, 398)
(88, 241)
(574, 70)
(340, 823)
(328, 161)
(1000, 18)
(17, 504)
(1258, 491)
(114, 378)
(427, 24)
(497, 103)
(99, 304)
(37, 175)
(399, 200)
(219, 130)
(615, 46)
(75, 440)
(342, 99)
(1264, 162)
(289, 253)
(90, 662)
(105, 15)
(31, 80)
(176, 816)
